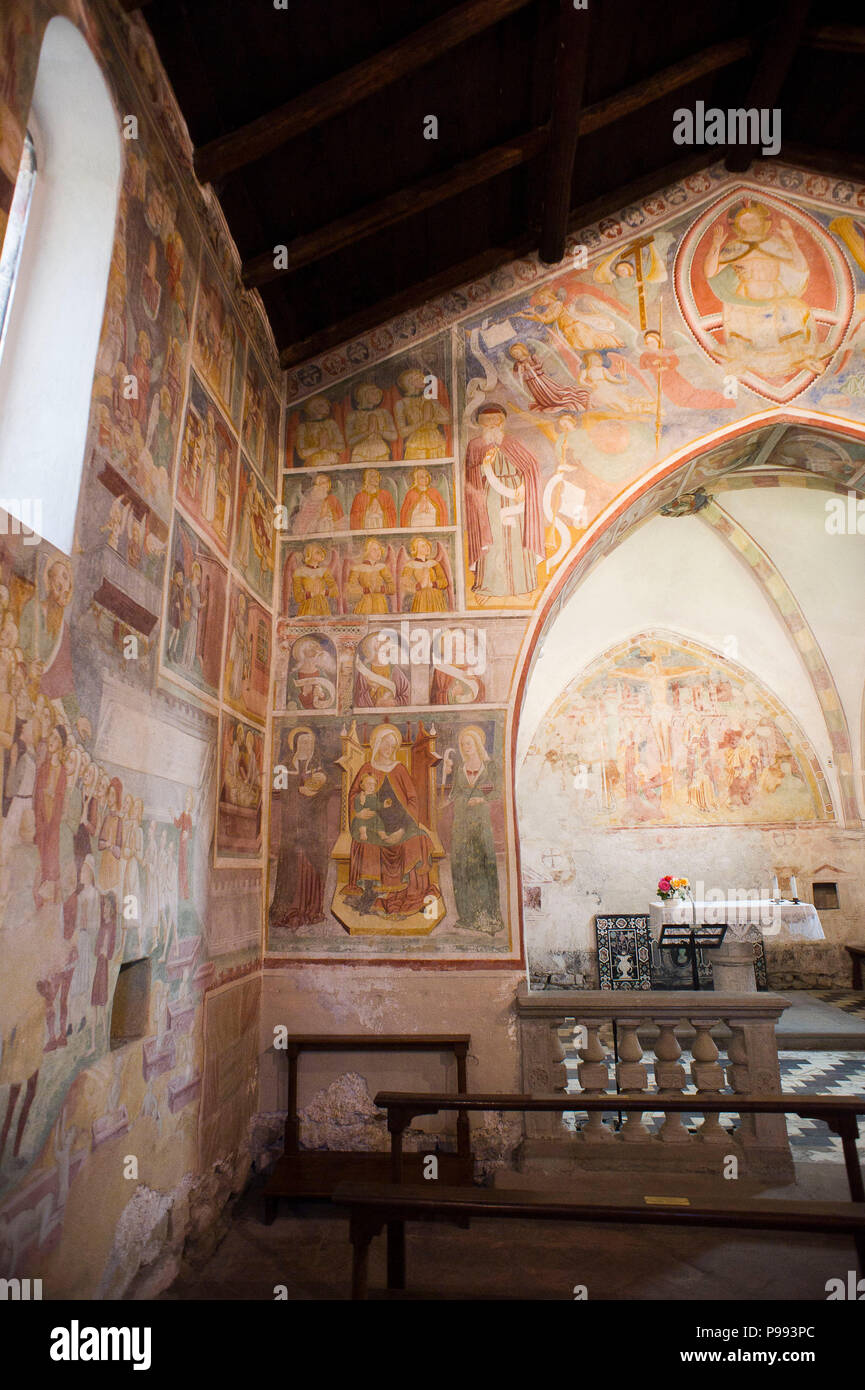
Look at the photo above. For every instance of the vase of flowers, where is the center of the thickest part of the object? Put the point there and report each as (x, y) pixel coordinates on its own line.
(672, 887)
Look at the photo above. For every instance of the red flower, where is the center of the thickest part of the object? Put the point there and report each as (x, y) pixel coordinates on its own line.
(665, 884)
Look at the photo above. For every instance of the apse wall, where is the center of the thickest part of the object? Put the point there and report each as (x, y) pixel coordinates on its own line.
(549, 409)
(674, 587)
(134, 674)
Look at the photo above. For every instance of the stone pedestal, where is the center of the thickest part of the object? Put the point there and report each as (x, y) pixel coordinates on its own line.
(733, 966)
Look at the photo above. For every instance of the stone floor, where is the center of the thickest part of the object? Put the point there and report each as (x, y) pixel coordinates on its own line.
(822, 1020)
(307, 1251)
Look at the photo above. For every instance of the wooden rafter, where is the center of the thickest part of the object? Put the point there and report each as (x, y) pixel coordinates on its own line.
(572, 53)
(419, 292)
(339, 93)
(781, 41)
(663, 83)
(305, 250)
(386, 212)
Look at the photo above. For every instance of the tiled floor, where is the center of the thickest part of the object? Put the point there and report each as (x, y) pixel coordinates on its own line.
(848, 1000)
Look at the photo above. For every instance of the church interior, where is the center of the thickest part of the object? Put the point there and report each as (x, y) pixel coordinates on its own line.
(432, 676)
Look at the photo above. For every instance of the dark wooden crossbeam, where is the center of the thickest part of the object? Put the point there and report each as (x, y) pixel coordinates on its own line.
(396, 207)
(463, 272)
(411, 297)
(662, 83)
(312, 247)
(229, 152)
(842, 38)
(572, 53)
(837, 162)
(780, 43)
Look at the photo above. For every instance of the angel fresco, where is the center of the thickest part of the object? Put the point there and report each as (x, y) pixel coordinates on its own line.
(310, 588)
(318, 440)
(369, 582)
(373, 507)
(369, 428)
(503, 515)
(546, 393)
(423, 505)
(421, 421)
(318, 510)
(425, 583)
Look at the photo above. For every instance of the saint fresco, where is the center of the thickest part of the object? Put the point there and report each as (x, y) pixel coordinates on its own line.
(238, 821)
(194, 610)
(207, 481)
(246, 665)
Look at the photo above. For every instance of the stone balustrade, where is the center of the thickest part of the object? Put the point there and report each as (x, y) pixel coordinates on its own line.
(657, 1022)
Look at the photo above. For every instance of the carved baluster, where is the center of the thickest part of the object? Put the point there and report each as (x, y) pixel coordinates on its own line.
(631, 1076)
(594, 1080)
(739, 1077)
(670, 1081)
(708, 1077)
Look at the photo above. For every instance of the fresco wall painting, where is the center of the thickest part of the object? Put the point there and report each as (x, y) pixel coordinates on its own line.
(110, 690)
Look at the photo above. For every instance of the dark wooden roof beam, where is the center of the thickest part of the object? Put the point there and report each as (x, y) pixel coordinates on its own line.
(780, 43)
(661, 84)
(568, 79)
(396, 207)
(464, 272)
(339, 93)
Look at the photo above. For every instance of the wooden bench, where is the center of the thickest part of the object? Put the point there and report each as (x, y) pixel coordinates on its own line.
(313, 1174)
(375, 1205)
(857, 955)
(838, 1112)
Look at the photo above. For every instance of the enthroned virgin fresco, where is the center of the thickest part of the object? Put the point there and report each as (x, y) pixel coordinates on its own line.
(390, 835)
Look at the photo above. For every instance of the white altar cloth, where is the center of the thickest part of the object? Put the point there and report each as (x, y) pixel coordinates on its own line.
(782, 920)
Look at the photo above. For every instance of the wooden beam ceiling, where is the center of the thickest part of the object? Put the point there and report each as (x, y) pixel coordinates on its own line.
(453, 276)
(405, 202)
(229, 152)
(572, 53)
(314, 246)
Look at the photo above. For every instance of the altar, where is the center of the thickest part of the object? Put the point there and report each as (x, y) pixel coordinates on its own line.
(747, 921)
(787, 921)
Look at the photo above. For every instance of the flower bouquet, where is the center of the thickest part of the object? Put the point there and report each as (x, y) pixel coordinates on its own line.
(673, 887)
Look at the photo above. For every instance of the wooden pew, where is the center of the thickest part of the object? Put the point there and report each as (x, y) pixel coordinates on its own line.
(375, 1205)
(311, 1174)
(370, 1203)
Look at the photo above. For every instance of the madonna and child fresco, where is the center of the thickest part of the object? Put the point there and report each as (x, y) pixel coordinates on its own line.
(380, 835)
